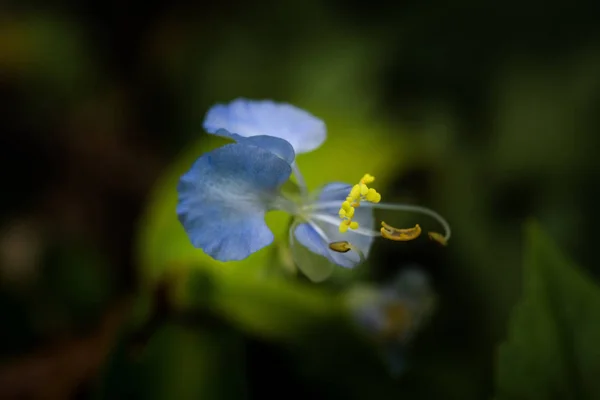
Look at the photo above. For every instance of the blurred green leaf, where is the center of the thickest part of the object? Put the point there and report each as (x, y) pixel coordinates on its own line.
(312, 326)
(552, 350)
(78, 278)
(267, 308)
(179, 363)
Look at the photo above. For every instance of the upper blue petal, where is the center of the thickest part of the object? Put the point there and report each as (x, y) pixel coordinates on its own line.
(301, 129)
(275, 145)
(223, 199)
(315, 243)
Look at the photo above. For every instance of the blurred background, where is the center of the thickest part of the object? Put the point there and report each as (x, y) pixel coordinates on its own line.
(487, 113)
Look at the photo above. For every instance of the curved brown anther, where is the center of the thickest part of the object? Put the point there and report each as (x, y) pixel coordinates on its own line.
(402, 235)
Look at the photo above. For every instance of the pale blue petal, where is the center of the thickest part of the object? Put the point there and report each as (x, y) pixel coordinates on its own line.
(371, 318)
(312, 265)
(302, 130)
(411, 290)
(309, 238)
(319, 245)
(223, 199)
(275, 145)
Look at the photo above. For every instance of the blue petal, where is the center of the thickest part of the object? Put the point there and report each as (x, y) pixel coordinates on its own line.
(314, 266)
(301, 129)
(411, 290)
(223, 199)
(371, 319)
(275, 145)
(311, 239)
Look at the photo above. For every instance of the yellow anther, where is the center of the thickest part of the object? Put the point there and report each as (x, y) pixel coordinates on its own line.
(367, 178)
(355, 192)
(437, 237)
(340, 247)
(403, 235)
(372, 195)
(359, 192)
(364, 189)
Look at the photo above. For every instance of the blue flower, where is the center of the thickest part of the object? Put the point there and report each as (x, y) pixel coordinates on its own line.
(392, 314)
(225, 195)
(302, 130)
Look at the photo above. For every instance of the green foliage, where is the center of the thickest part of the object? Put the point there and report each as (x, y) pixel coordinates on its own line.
(552, 348)
(201, 353)
(77, 280)
(178, 362)
(313, 327)
(268, 308)
(512, 134)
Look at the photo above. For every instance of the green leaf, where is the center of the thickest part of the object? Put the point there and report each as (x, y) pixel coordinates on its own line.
(311, 326)
(273, 309)
(178, 363)
(552, 349)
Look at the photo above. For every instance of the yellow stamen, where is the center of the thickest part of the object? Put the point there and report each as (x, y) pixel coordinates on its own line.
(402, 235)
(359, 192)
(364, 189)
(372, 195)
(367, 178)
(355, 192)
